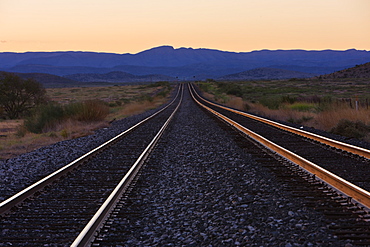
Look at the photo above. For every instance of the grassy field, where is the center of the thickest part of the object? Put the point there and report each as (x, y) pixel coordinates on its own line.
(122, 101)
(340, 106)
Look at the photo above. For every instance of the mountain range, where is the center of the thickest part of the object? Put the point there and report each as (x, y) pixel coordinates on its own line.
(167, 63)
(359, 71)
(265, 74)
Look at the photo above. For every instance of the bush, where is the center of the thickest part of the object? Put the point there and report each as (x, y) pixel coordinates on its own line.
(44, 116)
(300, 106)
(271, 102)
(351, 129)
(87, 111)
(145, 97)
(47, 116)
(18, 96)
(160, 84)
(163, 93)
(206, 87)
(91, 110)
(288, 99)
(230, 88)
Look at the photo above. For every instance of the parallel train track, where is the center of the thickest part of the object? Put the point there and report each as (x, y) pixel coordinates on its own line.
(313, 166)
(352, 220)
(67, 199)
(353, 214)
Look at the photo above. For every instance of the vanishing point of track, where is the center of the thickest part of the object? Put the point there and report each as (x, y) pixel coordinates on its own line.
(97, 175)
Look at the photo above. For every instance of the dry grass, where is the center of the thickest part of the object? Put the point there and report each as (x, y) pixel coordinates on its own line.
(9, 126)
(209, 96)
(328, 119)
(13, 144)
(107, 94)
(236, 102)
(285, 114)
(325, 120)
(137, 107)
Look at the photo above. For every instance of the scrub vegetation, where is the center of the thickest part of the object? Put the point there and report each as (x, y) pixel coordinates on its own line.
(339, 106)
(76, 112)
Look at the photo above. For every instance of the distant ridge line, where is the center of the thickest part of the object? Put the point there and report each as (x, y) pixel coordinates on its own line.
(182, 63)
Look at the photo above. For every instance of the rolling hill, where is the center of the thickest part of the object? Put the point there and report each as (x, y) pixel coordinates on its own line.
(49, 80)
(118, 77)
(182, 63)
(359, 71)
(266, 74)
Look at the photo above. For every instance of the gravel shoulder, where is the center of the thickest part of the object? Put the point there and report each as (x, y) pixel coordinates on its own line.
(204, 190)
(19, 172)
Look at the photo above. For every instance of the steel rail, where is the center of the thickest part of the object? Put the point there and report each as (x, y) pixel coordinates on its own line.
(337, 144)
(358, 194)
(16, 199)
(87, 235)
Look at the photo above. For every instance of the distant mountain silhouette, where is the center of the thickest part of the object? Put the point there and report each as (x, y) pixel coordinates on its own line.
(118, 77)
(182, 63)
(48, 80)
(359, 71)
(266, 74)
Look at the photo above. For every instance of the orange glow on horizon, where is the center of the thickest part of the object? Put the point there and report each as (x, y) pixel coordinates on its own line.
(121, 26)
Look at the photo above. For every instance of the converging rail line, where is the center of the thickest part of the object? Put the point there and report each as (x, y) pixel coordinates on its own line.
(347, 174)
(121, 227)
(82, 187)
(88, 201)
(351, 190)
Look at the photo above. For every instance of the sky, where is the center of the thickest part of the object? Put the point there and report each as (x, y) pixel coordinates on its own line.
(131, 26)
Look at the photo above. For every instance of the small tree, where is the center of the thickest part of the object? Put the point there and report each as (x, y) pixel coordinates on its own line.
(18, 95)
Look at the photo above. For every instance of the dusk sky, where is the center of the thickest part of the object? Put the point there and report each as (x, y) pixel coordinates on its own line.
(123, 26)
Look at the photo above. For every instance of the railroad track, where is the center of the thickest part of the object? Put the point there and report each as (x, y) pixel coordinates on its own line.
(332, 176)
(102, 219)
(55, 209)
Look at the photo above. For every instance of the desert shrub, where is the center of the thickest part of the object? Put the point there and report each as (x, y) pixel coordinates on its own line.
(18, 96)
(21, 131)
(53, 135)
(325, 103)
(44, 116)
(90, 110)
(64, 133)
(145, 97)
(48, 116)
(163, 93)
(230, 88)
(125, 100)
(235, 90)
(72, 109)
(271, 102)
(288, 99)
(210, 80)
(206, 87)
(160, 84)
(351, 129)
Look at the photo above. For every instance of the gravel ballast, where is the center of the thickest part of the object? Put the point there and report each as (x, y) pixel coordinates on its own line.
(19, 172)
(204, 190)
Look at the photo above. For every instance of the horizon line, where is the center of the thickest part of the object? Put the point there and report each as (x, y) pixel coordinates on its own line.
(182, 47)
